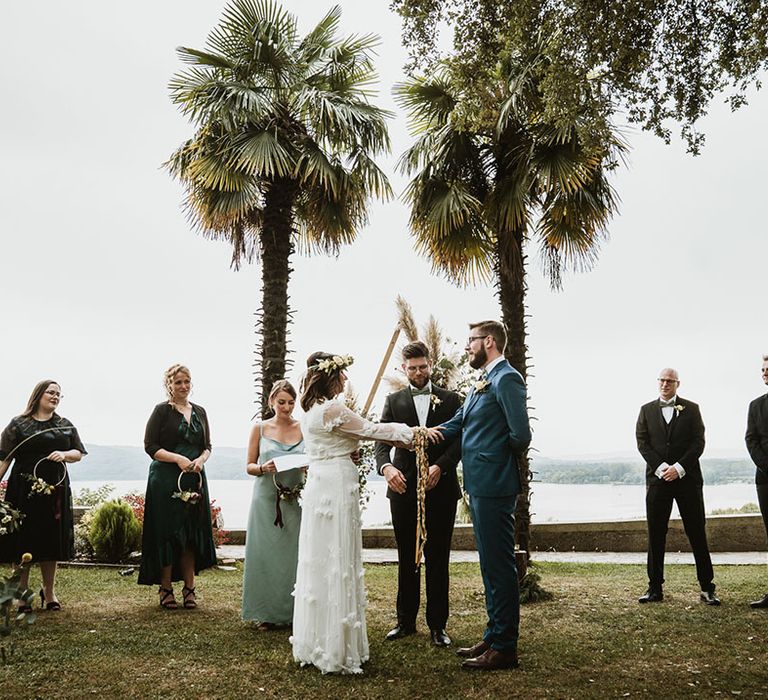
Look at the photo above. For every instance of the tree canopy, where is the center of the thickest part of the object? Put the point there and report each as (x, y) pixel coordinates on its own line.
(651, 62)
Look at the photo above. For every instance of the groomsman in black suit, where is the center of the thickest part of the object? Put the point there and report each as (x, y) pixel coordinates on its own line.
(757, 444)
(670, 437)
(425, 404)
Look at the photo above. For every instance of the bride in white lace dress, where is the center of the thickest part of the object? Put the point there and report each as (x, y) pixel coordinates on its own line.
(329, 629)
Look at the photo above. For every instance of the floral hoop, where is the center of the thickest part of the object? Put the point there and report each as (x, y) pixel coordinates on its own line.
(199, 480)
(284, 493)
(35, 477)
(288, 493)
(189, 497)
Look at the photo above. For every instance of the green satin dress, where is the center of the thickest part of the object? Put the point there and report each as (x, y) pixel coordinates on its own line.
(271, 551)
(170, 525)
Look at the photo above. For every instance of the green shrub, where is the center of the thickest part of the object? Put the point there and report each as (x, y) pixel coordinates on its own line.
(115, 532)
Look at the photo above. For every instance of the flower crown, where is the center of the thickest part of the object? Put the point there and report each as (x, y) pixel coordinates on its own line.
(333, 364)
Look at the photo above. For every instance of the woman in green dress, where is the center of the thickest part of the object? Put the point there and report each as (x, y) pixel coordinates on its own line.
(271, 543)
(177, 539)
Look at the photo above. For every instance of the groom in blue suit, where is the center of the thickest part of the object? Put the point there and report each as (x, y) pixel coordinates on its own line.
(493, 428)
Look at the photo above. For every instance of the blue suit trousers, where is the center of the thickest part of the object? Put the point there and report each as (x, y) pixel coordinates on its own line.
(493, 520)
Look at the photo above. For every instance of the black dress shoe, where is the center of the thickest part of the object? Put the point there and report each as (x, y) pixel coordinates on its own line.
(440, 638)
(651, 596)
(709, 597)
(492, 660)
(762, 603)
(473, 652)
(399, 632)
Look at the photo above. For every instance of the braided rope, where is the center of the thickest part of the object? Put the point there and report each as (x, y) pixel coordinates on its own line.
(420, 442)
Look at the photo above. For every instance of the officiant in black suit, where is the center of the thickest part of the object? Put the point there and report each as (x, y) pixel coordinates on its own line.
(425, 404)
(757, 444)
(670, 437)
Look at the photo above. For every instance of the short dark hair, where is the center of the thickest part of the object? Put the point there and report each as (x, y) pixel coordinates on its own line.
(494, 329)
(414, 350)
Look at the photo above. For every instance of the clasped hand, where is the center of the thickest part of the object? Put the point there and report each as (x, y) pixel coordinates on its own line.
(433, 435)
(190, 465)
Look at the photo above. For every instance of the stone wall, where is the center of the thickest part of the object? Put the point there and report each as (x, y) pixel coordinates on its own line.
(726, 533)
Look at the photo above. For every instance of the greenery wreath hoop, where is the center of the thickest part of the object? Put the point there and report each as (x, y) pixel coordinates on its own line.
(287, 494)
(35, 477)
(187, 496)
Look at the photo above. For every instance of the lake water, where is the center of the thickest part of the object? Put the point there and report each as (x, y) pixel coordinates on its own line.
(551, 503)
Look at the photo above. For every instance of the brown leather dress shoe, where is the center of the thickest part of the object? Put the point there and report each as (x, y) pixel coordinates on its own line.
(492, 660)
(472, 652)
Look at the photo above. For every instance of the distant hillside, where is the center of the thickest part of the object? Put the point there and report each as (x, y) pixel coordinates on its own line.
(117, 463)
(112, 463)
(564, 471)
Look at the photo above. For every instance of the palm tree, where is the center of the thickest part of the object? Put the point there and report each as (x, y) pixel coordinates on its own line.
(491, 174)
(283, 152)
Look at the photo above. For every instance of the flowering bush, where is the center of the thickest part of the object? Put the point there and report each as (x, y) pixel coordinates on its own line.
(220, 536)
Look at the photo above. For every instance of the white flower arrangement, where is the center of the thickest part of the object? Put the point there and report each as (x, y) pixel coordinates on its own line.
(333, 364)
(40, 487)
(435, 400)
(679, 408)
(481, 385)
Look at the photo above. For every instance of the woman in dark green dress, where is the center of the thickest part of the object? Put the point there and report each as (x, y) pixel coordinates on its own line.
(177, 539)
(47, 531)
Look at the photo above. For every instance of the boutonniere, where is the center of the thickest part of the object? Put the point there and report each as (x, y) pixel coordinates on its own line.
(679, 408)
(481, 386)
(435, 400)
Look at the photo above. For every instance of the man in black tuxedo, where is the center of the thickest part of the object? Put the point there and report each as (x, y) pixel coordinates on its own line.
(670, 437)
(421, 403)
(757, 444)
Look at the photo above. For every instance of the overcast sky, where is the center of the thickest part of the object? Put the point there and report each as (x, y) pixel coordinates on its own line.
(103, 284)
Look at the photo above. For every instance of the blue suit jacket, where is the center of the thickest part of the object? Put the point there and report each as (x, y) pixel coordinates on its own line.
(494, 430)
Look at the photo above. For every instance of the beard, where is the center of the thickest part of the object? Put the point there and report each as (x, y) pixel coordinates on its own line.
(419, 382)
(480, 358)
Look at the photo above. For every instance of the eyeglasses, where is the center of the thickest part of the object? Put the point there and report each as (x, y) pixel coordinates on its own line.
(668, 381)
(51, 392)
(475, 337)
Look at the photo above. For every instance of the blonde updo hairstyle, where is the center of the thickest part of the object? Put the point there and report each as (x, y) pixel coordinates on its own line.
(319, 385)
(170, 375)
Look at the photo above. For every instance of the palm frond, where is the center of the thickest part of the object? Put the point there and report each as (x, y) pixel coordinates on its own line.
(261, 154)
(428, 102)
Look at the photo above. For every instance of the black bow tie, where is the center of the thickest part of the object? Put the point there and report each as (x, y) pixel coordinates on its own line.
(664, 404)
(420, 392)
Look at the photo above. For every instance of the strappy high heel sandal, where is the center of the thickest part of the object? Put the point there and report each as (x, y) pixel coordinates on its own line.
(190, 600)
(167, 600)
(54, 605)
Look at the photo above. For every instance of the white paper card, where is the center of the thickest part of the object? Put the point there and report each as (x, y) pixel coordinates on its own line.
(286, 462)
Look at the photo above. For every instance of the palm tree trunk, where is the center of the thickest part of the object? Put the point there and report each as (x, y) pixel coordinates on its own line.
(511, 288)
(276, 246)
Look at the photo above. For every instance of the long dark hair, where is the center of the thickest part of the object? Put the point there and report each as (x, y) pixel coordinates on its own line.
(37, 394)
(319, 385)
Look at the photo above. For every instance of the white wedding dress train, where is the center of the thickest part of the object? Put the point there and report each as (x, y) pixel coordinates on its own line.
(329, 629)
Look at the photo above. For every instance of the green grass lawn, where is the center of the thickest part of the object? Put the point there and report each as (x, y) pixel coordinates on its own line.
(592, 640)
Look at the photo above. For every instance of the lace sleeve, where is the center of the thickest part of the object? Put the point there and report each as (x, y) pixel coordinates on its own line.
(340, 419)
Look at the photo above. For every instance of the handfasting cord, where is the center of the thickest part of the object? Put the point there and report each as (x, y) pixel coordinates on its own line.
(421, 442)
